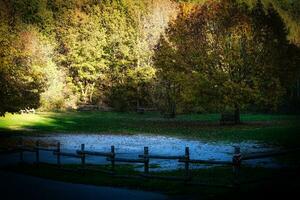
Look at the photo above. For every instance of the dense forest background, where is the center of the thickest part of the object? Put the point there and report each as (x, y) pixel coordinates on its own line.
(174, 56)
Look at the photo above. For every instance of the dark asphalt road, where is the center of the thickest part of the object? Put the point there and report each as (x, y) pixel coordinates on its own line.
(17, 186)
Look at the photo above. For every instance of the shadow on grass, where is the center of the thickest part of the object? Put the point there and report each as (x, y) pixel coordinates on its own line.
(256, 182)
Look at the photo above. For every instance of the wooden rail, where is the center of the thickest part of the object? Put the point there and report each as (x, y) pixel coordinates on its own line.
(268, 154)
(163, 157)
(95, 153)
(126, 160)
(66, 154)
(212, 162)
(45, 149)
(145, 158)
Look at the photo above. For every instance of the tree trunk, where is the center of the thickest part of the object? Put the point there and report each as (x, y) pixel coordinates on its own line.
(92, 89)
(173, 110)
(237, 118)
(138, 102)
(171, 104)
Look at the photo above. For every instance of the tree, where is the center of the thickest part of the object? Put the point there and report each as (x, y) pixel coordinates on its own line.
(183, 56)
(82, 50)
(236, 53)
(21, 75)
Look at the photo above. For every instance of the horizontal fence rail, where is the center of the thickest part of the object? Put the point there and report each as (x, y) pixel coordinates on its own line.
(268, 154)
(127, 160)
(27, 149)
(163, 157)
(145, 158)
(95, 153)
(45, 149)
(212, 162)
(66, 154)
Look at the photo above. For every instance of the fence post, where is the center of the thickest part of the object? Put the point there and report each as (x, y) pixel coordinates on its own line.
(58, 154)
(112, 149)
(21, 150)
(146, 162)
(82, 156)
(236, 160)
(37, 153)
(187, 158)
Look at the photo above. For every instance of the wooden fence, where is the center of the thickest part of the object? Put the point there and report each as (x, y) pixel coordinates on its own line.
(145, 158)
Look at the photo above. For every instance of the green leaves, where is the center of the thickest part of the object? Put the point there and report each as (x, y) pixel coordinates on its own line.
(236, 52)
(176, 55)
(22, 77)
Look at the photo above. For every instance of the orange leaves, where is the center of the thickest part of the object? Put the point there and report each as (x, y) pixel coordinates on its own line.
(28, 42)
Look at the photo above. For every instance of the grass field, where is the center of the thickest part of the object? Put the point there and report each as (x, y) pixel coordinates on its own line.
(280, 130)
(275, 129)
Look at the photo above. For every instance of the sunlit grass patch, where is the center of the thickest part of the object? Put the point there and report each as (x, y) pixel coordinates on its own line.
(24, 121)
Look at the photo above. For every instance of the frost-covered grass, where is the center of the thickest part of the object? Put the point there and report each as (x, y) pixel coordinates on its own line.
(279, 129)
